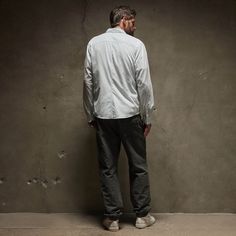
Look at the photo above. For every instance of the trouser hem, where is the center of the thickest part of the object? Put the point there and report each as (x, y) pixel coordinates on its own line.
(142, 214)
(113, 217)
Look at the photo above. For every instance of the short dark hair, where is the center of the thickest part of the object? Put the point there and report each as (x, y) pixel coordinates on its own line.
(119, 12)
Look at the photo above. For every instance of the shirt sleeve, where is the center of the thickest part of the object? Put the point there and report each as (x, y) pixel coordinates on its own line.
(144, 84)
(88, 86)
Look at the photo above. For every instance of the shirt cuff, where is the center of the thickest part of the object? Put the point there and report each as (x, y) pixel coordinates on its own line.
(147, 118)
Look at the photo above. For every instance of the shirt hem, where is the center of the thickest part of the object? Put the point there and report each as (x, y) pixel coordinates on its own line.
(118, 117)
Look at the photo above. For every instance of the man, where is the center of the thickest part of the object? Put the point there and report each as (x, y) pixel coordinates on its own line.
(118, 101)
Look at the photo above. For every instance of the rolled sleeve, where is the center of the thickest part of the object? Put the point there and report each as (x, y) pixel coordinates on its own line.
(88, 86)
(144, 84)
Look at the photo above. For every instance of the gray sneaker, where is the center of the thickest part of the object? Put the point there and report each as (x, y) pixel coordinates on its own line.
(111, 225)
(143, 222)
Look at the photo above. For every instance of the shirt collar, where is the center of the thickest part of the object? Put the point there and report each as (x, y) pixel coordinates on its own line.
(115, 30)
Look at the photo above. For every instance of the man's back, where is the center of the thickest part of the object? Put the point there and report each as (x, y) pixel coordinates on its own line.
(114, 58)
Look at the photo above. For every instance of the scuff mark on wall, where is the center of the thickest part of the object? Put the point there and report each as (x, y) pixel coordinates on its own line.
(44, 181)
(2, 180)
(62, 154)
(203, 75)
(56, 181)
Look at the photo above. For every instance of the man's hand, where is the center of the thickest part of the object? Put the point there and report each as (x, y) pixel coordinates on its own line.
(92, 124)
(147, 129)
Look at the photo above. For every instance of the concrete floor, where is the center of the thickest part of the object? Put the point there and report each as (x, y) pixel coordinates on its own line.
(66, 224)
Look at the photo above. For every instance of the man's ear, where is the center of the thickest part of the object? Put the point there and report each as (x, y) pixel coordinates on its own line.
(124, 23)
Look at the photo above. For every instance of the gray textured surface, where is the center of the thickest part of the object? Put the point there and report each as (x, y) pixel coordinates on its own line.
(48, 156)
(25, 224)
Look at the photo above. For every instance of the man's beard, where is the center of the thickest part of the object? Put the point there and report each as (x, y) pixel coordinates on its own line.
(130, 33)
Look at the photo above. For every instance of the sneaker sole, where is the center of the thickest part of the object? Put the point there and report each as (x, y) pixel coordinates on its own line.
(142, 226)
(112, 229)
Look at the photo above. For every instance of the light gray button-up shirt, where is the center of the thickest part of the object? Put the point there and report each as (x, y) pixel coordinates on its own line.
(117, 80)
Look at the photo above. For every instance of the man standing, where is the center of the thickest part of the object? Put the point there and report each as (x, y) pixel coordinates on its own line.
(118, 101)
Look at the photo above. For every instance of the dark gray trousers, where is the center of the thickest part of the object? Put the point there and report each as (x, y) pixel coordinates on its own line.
(110, 134)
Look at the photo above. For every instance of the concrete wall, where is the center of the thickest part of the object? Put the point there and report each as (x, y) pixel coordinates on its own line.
(48, 154)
